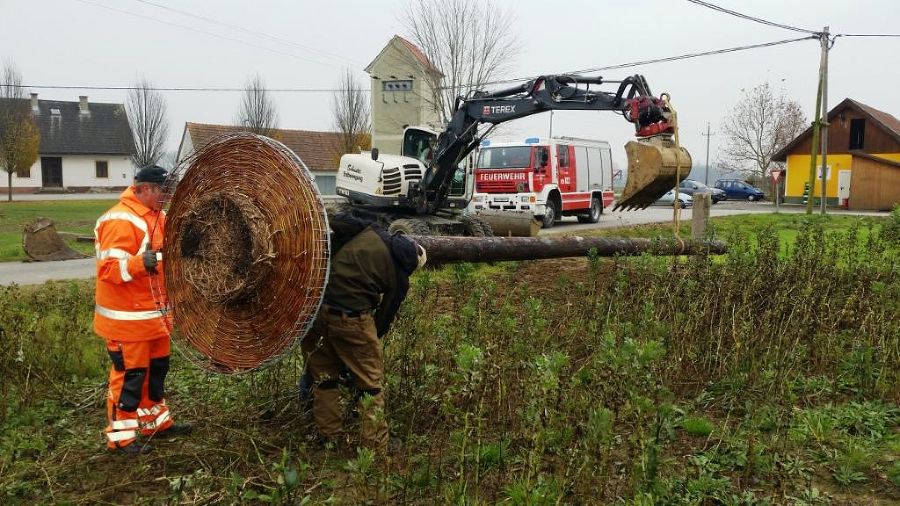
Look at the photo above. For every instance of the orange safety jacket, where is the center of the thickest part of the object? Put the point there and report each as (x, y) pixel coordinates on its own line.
(126, 309)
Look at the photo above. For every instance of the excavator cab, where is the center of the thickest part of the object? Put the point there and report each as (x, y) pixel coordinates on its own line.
(655, 166)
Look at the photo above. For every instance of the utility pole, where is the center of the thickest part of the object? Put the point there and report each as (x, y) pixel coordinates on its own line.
(814, 145)
(707, 135)
(551, 125)
(825, 41)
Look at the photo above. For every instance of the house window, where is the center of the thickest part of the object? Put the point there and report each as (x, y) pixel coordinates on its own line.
(24, 173)
(102, 168)
(857, 133)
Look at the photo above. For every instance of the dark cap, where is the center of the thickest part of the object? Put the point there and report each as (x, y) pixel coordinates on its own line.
(152, 174)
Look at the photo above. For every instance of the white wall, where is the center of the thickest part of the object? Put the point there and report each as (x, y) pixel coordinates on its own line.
(80, 170)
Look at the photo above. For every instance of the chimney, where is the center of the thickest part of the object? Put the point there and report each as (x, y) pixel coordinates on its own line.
(83, 105)
(34, 103)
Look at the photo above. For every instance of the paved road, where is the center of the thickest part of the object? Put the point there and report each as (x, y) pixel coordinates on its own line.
(39, 272)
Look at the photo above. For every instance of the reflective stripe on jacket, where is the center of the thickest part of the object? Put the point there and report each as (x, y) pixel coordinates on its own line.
(125, 306)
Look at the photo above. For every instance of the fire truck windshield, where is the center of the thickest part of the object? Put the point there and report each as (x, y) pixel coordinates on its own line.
(509, 157)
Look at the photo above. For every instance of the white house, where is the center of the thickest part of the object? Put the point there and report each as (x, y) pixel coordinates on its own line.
(318, 150)
(83, 146)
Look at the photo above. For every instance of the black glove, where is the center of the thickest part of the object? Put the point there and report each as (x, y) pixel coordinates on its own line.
(150, 261)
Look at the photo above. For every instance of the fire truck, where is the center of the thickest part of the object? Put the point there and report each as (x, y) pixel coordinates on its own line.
(546, 177)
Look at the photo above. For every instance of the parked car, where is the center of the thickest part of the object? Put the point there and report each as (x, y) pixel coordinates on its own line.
(690, 186)
(684, 199)
(739, 190)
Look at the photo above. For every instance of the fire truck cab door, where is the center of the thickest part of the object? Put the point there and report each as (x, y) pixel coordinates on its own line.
(564, 162)
(581, 168)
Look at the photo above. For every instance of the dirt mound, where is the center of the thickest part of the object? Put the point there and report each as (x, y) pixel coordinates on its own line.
(43, 243)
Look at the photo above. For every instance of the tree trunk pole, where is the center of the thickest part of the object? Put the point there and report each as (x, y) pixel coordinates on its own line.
(815, 139)
(445, 249)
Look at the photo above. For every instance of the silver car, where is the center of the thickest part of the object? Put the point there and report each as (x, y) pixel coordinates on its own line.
(684, 200)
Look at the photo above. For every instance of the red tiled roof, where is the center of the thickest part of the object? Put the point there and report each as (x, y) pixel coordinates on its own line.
(419, 55)
(318, 150)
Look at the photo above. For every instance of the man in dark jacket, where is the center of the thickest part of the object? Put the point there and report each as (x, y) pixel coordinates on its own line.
(368, 281)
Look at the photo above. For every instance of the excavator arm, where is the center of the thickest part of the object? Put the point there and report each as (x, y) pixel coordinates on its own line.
(633, 99)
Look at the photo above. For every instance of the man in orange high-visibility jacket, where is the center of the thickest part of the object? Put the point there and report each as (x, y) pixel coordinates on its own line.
(127, 239)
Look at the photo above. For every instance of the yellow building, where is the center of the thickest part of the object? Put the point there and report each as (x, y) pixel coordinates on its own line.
(863, 159)
(403, 93)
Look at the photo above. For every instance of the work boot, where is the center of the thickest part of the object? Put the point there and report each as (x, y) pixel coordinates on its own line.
(133, 449)
(176, 429)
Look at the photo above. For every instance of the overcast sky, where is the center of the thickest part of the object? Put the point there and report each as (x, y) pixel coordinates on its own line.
(112, 43)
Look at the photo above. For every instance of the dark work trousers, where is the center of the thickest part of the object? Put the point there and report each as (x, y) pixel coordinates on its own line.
(337, 341)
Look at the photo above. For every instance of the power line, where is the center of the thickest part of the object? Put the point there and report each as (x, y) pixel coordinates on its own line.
(695, 55)
(245, 30)
(749, 18)
(666, 59)
(505, 81)
(868, 35)
(212, 34)
(155, 88)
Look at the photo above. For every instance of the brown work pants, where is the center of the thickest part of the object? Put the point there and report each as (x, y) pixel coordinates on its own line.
(340, 340)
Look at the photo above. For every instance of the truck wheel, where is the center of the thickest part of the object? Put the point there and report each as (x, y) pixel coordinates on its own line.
(551, 213)
(410, 227)
(593, 215)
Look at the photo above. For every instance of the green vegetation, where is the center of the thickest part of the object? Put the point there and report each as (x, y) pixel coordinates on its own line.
(769, 376)
(697, 426)
(76, 216)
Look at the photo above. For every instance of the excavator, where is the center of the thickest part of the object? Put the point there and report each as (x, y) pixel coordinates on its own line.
(426, 189)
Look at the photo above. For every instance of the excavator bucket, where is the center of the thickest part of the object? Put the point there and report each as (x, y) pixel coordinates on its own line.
(655, 166)
(43, 243)
(511, 223)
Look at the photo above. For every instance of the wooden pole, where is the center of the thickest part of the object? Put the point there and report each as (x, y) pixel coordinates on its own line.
(815, 139)
(825, 42)
(446, 249)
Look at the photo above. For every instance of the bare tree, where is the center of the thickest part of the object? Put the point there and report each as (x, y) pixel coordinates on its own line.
(257, 114)
(146, 109)
(350, 106)
(468, 41)
(759, 125)
(19, 137)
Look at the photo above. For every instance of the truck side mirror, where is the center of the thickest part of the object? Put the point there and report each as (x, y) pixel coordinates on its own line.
(375, 154)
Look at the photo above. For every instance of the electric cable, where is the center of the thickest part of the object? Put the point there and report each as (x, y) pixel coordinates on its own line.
(665, 59)
(158, 88)
(750, 18)
(867, 35)
(204, 32)
(246, 30)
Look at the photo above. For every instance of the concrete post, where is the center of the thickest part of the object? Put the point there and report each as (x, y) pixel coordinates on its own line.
(700, 214)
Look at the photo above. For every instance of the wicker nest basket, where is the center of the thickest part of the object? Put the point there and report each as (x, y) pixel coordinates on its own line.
(246, 252)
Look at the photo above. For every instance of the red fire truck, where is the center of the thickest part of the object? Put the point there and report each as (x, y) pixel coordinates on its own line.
(551, 178)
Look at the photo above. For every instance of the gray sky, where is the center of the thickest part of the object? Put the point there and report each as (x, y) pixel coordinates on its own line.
(111, 43)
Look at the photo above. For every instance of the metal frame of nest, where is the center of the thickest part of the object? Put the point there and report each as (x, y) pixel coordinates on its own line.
(246, 253)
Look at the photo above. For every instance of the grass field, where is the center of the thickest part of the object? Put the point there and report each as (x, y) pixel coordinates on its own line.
(768, 376)
(77, 216)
